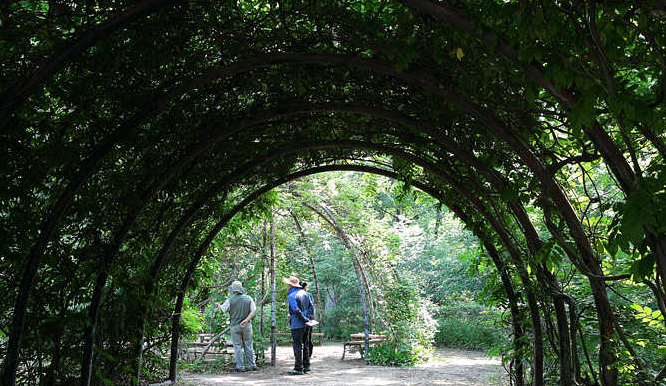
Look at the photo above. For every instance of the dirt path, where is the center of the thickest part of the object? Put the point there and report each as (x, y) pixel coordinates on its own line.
(449, 367)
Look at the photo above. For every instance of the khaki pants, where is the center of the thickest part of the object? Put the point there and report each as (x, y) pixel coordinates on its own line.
(242, 341)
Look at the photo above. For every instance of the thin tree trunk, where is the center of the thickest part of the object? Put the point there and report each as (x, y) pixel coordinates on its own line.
(263, 281)
(573, 325)
(175, 336)
(263, 294)
(273, 327)
(566, 372)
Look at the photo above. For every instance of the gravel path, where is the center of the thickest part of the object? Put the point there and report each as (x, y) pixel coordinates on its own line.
(448, 367)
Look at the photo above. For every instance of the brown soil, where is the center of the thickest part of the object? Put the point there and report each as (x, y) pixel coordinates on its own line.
(448, 367)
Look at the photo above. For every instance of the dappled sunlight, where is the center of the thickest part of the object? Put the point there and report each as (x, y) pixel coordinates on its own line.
(457, 360)
(448, 367)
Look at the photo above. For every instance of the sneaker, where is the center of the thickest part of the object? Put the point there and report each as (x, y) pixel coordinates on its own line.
(252, 369)
(295, 372)
(239, 371)
(306, 370)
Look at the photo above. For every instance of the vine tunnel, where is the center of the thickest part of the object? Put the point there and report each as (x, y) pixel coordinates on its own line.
(132, 132)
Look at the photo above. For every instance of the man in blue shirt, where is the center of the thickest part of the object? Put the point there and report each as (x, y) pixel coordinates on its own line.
(309, 312)
(299, 302)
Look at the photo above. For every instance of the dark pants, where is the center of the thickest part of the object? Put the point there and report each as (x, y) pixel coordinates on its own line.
(308, 339)
(301, 349)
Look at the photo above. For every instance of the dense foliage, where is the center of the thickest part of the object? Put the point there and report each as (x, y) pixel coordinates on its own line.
(133, 132)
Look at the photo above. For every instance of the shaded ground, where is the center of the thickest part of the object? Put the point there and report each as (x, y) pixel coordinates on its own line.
(449, 367)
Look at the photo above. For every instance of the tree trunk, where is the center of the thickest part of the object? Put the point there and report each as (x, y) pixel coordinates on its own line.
(263, 281)
(566, 373)
(273, 327)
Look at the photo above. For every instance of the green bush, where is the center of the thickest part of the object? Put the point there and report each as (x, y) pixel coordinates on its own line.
(343, 320)
(469, 325)
(220, 364)
(395, 354)
(411, 328)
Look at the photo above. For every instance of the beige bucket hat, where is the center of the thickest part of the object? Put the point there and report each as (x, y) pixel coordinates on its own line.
(293, 281)
(237, 286)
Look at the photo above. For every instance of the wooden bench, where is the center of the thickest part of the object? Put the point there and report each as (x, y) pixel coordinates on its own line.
(204, 338)
(318, 335)
(358, 340)
(189, 351)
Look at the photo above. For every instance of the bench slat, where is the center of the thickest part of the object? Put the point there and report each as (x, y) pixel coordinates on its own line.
(371, 336)
(362, 341)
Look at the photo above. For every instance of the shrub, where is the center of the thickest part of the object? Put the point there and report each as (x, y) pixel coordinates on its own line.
(411, 327)
(394, 354)
(469, 325)
(343, 320)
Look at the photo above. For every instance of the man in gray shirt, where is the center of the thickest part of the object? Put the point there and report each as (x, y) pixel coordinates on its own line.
(241, 309)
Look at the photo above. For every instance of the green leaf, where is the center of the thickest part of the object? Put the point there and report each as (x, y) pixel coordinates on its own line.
(509, 195)
(642, 268)
(544, 251)
(637, 214)
(459, 53)
(611, 246)
(530, 96)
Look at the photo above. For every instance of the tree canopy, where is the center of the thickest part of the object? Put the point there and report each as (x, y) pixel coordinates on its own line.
(133, 132)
